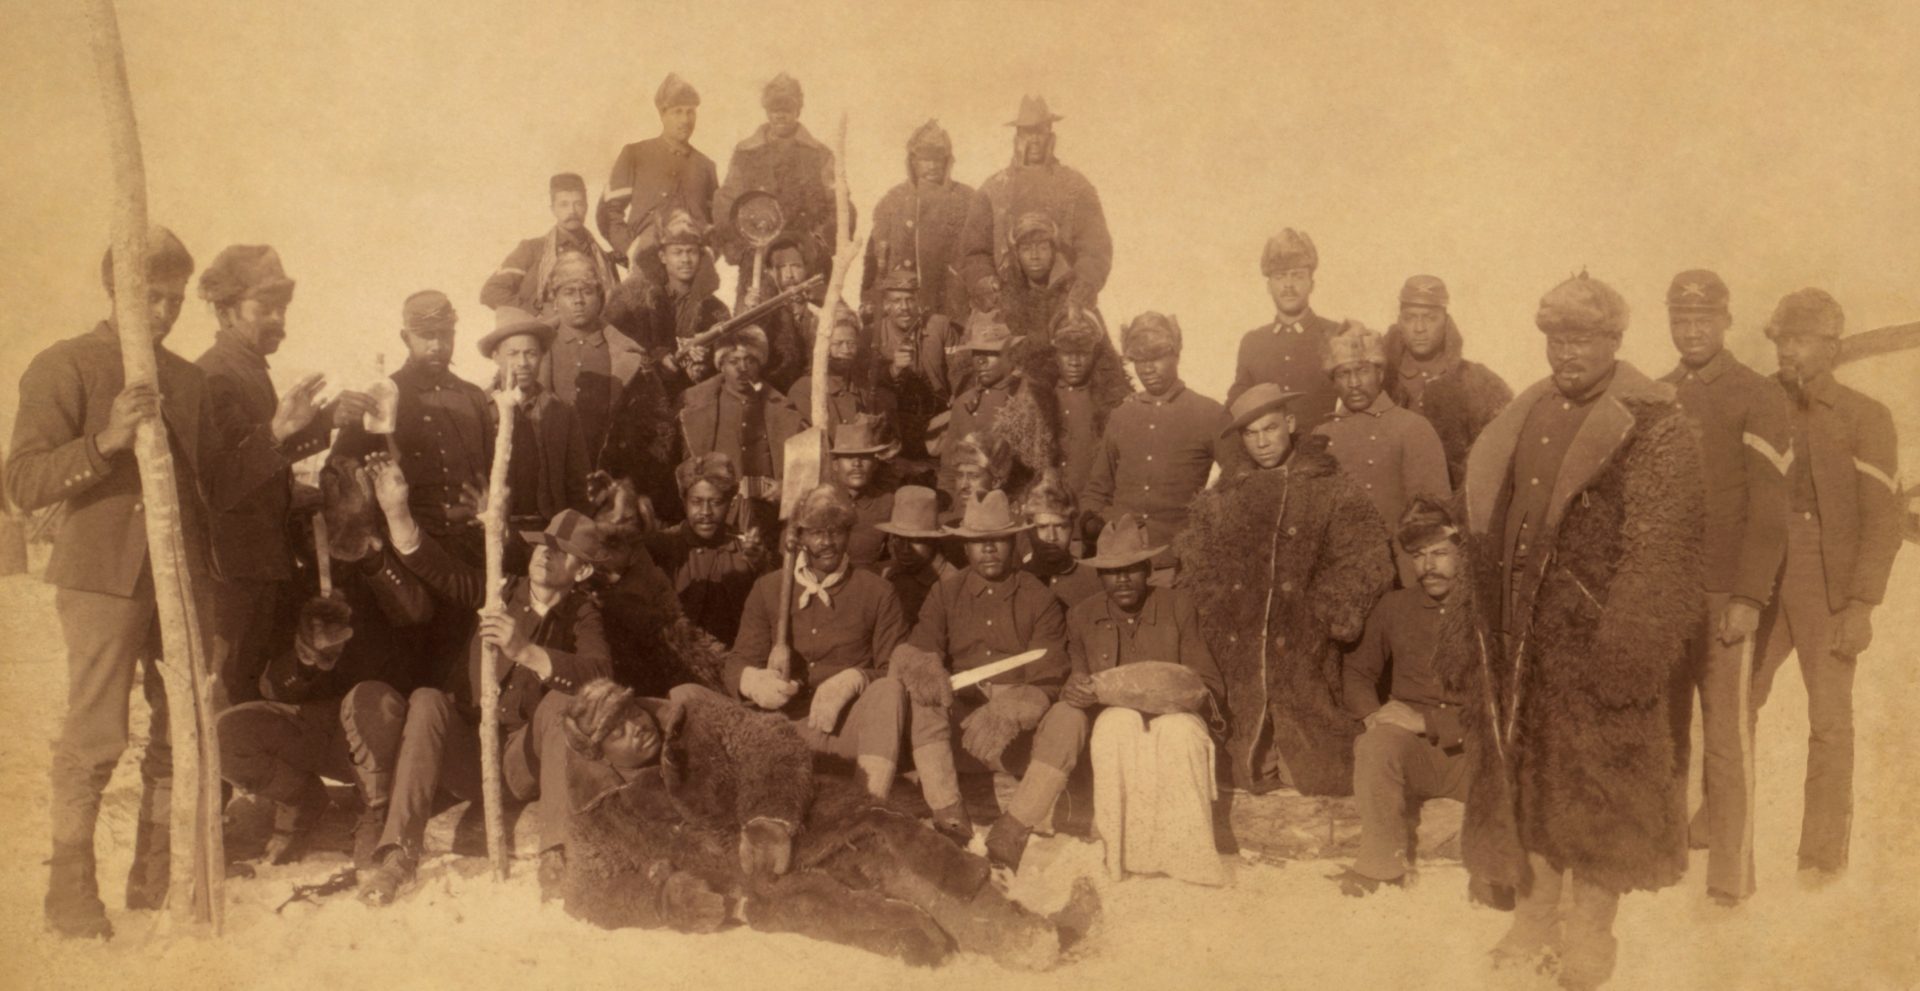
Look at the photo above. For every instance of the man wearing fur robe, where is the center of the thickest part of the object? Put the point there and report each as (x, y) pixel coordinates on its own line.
(916, 226)
(1426, 374)
(1011, 399)
(780, 157)
(1293, 545)
(1584, 513)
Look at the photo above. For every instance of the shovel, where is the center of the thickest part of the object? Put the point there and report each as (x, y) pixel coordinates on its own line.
(759, 219)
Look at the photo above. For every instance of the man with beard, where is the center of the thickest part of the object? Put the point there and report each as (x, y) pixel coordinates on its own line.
(914, 563)
(1010, 724)
(1392, 452)
(1741, 419)
(1035, 286)
(917, 225)
(1286, 352)
(712, 564)
(737, 414)
(862, 454)
(781, 158)
(1048, 508)
(443, 432)
(1092, 385)
(661, 315)
(1037, 182)
(73, 442)
(855, 385)
(587, 367)
(1843, 529)
(1426, 374)
(1159, 445)
(845, 623)
(658, 175)
(525, 278)
(1294, 541)
(916, 349)
(1584, 514)
(547, 467)
(1411, 747)
(250, 293)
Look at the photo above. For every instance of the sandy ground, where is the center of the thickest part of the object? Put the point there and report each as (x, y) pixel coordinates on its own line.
(1277, 926)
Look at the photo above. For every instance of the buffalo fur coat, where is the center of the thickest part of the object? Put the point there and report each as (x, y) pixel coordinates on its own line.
(662, 849)
(1594, 770)
(1459, 403)
(1284, 565)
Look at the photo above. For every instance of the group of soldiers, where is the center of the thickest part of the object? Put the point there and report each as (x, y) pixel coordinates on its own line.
(1373, 571)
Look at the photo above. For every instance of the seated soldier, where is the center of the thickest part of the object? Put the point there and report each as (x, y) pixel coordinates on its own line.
(1035, 279)
(738, 414)
(1410, 749)
(1153, 774)
(662, 316)
(334, 699)
(547, 468)
(1009, 724)
(655, 644)
(914, 563)
(548, 633)
(862, 454)
(830, 680)
(690, 812)
(1049, 509)
(855, 383)
(713, 563)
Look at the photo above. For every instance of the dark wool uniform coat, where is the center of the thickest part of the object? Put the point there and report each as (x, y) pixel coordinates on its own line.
(443, 430)
(1284, 565)
(1459, 397)
(561, 450)
(649, 175)
(1290, 359)
(1066, 197)
(918, 227)
(1599, 759)
(1852, 454)
(798, 171)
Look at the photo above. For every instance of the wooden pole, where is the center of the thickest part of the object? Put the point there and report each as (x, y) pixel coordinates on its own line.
(199, 859)
(495, 521)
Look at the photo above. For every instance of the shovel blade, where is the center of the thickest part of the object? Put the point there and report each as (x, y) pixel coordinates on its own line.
(800, 468)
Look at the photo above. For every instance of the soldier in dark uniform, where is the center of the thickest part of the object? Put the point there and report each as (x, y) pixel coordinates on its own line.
(548, 464)
(1426, 374)
(781, 158)
(73, 447)
(1741, 418)
(1843, 529)
(653, 176)
(250, 292)
(660, 315)
(914, 563)
(917, 226)
(1286, 351)
(525, 278)
(919, 351)
(590, 364)
(1037, 181)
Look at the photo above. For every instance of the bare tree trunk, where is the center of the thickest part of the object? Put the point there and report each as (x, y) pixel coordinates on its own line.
(496, 524)
(199, 858)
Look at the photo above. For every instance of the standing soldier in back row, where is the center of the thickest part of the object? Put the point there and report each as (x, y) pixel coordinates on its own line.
(782, 158)
(525, 278)
(1426, 374)
(1286, 352)
(1036, 181)
(652, 176)
(1741, 419)
(917, 226)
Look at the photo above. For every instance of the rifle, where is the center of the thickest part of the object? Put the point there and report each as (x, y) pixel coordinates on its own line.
(752, 314)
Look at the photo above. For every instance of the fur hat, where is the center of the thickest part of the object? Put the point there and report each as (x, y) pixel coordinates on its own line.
(675, 92)
(1049, 497)
(599, 707)
(714, 467)
(1424, 290)
(902, 279)
(1034, 223)
(1424, 521)
(1078, 329)
(752, 339)
(1151, 335)
(988, 451)
(1352, 342)
(243, 270)
(573, 266)
(427, 311)
(1697, 289)
(1582, 303)
(677, 226)
(1289, 249)
(825, 507)
(782, 93)
(1810, 312)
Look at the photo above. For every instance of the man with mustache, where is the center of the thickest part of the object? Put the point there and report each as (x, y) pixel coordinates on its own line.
(547, 467)
(1742, 421)
(653, 176)
(525, 278)
(250, 293)
(1411, 748)
(1843, 529)
(1286, 352)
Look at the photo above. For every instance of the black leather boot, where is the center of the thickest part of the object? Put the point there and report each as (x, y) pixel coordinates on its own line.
(73, 906)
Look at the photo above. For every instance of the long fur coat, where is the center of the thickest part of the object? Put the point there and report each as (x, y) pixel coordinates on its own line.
(1285, 565)
(1594, 772)
(1459, 403)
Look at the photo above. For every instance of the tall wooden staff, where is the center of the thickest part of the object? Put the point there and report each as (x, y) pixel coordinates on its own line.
(495, 521)
(201, 860)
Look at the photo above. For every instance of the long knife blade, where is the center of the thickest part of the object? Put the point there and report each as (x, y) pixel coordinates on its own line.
(974, 676)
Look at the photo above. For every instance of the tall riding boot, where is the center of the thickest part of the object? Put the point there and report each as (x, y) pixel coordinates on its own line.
(73, 906)
(152, 865)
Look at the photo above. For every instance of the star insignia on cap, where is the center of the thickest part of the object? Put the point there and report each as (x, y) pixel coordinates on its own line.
(1698, 289)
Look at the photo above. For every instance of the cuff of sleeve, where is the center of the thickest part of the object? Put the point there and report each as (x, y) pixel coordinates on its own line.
(96, 460)
(1749, 600)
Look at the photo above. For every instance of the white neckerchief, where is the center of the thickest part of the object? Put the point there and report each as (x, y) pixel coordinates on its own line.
(816, 589)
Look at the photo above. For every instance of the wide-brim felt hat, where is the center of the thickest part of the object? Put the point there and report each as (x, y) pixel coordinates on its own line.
(916, 514)
(1255, 403)
(865, 433)
(574, 532)
(1123, 544)
(989, 517)
(512, 322)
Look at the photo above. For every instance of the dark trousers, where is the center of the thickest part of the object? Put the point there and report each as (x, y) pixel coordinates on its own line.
(107, 636)
(275, 749)
(1725, 682)
(440, 752)
(240, 639)
(1801, 621)
(1393, 772)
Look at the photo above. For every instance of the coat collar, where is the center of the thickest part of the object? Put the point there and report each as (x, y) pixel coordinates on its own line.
(760, 139)
(1710, 372)
(1382, 404)
(1598, 439)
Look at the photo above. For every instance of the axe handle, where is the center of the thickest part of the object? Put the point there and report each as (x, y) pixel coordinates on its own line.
(322, 558)
(780, 662)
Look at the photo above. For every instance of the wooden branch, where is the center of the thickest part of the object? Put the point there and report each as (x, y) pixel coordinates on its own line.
(199, 860)
(495, 520)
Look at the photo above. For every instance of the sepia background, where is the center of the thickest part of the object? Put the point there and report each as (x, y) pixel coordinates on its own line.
(385, 147)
